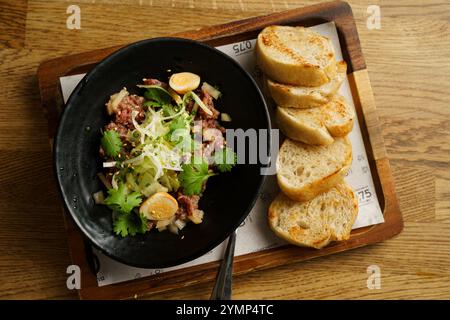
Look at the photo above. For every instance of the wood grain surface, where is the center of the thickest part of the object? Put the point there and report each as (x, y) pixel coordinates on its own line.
(408, 64)
(340, 13)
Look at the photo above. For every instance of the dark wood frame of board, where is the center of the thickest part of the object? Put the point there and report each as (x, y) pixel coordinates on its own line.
(50, 71)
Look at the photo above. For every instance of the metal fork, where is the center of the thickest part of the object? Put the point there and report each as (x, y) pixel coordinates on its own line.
(223, 287)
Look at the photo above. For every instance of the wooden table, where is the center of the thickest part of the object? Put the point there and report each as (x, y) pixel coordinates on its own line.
(408, 61)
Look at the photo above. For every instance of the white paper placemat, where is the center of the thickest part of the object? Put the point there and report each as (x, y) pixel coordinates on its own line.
(254, 234)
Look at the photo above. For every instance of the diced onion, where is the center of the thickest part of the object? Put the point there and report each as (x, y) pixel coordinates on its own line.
(197, 216)
(173, 228)
(110, 164)
(162, 224)
(180, 224)
(114, 100)
(225, 117)
(209, 89)
(99, 197)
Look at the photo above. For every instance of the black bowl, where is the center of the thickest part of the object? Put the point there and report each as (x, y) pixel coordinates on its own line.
(228, 197)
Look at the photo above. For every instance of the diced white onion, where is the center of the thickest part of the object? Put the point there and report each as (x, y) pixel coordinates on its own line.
(162, 224)
(173, 228)
(225, 117)
(115, 99)
(110, 164)
(213, 92)
(180, 224)
(99, 197)
(197, 216)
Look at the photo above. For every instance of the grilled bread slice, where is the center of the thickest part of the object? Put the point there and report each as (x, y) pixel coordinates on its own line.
(304, 171)
(315, 223)
(295, 55)
(318, 126)
(289, 96)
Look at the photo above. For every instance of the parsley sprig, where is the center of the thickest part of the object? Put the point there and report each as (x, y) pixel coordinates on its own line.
(225, 159)
(130, 224)
(111, 143)
(193, 177)
(122, 203)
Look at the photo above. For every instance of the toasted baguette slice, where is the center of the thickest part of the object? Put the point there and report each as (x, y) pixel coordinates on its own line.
(318, 125)
(295, 55)
(315, 223)
(304, 171)
(288, 96)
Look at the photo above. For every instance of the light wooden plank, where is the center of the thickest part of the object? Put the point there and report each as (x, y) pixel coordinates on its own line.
(408, 67)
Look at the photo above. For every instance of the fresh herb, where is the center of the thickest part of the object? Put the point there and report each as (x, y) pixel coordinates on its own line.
(130, 224)
(157, 95)
(168, 110)
(193, 176)
(119, 200)
(179, 132)
(225, 159)
(111, 143)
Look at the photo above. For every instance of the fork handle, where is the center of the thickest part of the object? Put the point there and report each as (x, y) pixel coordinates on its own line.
(223, 287)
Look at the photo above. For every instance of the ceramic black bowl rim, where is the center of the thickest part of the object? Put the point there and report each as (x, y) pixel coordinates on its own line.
(77, 91)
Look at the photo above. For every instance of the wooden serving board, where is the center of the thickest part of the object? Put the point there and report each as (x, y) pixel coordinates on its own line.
(49, 73)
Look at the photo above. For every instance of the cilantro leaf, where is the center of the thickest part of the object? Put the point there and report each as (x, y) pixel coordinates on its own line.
(179, 127)
(130, 224)
(158, 95)
(225, 159)
(193, 176)
(111, 143)
(119, 200)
